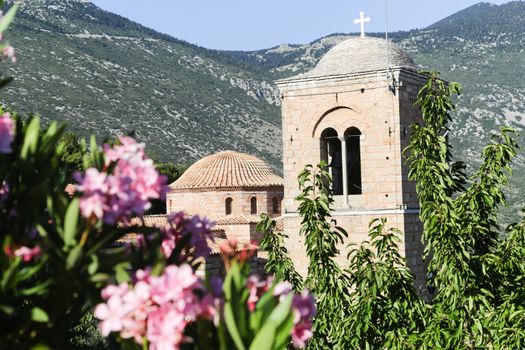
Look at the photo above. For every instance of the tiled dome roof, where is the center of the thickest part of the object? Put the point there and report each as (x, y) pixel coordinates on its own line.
(227, 170)
(357, 55)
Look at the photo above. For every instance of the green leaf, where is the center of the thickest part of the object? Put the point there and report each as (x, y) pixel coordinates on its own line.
(265, 339)
(71, 222)
(31, 138)
(281, 312)
(232, 326)
(41, 347)
(74, 257)
(93, 266)
(121, 274)
(8, 18)
(282, 336)
(39, 315)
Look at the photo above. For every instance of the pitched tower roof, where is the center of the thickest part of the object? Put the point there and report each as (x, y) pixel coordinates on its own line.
(226, 171)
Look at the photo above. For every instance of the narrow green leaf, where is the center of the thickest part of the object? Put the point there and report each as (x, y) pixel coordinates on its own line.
(31, 138)
(39, 315)
(70, 222)
(265, 339)
(73, 257)
(8, 18)
(232, 326)
(121, 274)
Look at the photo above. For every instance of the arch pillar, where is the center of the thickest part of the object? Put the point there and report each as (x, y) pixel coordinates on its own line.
(345, 172)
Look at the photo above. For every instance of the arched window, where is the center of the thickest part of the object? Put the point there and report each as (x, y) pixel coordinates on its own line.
(353, 160)
(276, 205)
(253, 205)
(228, 206)
(331, 153)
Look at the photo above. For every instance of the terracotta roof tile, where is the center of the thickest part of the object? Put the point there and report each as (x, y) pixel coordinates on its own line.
(238, 220)
(225, 170)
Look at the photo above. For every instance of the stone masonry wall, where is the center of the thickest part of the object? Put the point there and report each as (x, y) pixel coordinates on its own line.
(212, 203)
(363, 101)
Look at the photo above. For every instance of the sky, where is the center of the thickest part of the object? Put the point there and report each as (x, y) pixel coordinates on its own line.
(260, 24)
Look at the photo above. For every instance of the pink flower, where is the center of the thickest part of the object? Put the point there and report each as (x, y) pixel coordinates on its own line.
(304, 306)
(301, 333)
(282, 290)
(127, 191)
(256, 289)
(4, 191)
(197, 229)
(7, 132)
(117, 291)
(165, 328)
(111, 314)
(157, 308)
(304, 310)
(9, 52)
(28, 254)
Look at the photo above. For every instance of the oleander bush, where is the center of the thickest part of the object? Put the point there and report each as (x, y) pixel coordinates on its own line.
(65, 267)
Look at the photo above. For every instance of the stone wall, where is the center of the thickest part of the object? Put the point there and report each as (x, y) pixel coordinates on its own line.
(212, 203)
(364, 101)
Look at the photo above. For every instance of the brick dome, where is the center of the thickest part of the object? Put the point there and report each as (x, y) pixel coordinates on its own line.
(226, 171)
(357, 55)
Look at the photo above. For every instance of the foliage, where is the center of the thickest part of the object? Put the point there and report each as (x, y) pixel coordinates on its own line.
(264, 325)
(325, 279)
(460, 232)
(385, 308)
(170, 170)
(278, 262)
(71, 152)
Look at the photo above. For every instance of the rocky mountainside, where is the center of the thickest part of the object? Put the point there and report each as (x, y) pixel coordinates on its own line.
(104, 74)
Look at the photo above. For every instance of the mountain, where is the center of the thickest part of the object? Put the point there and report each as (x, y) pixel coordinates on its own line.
(104, 74)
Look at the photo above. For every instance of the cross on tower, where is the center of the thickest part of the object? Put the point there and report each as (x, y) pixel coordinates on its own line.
(362, 21)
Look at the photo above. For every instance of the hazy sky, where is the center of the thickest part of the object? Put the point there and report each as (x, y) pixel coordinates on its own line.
(258, 24)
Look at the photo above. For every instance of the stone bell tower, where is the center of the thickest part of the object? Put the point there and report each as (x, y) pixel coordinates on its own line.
(354, 111)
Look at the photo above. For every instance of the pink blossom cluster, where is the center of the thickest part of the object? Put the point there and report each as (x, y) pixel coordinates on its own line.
(28, 254)
(303, 306)
(256, 288)
(181, 226)
(4, 191)
(304, 310)
(7, 133)
(7, 50)
(126, 187)
(157, 308)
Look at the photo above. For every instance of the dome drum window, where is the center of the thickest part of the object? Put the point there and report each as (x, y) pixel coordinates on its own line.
(253, 205)
(276, 205)
(228, 206)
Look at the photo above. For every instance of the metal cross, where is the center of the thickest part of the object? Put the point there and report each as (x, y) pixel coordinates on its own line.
(362, 20)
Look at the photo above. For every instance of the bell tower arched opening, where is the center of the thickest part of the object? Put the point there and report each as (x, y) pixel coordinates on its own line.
(353, 161)
(331, 153)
